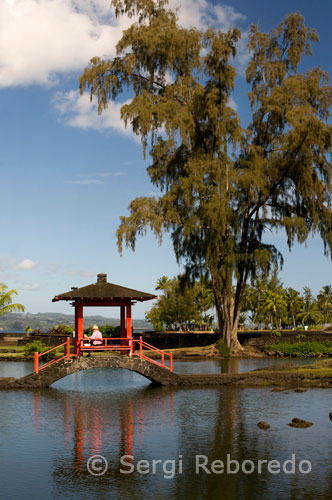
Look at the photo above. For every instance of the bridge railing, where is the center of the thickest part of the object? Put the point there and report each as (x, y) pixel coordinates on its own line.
(37, 356)
(109, 344)
(163, 354)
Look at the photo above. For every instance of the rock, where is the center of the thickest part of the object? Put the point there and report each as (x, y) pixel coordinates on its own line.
(278, 389)
(300, 389)
(330, 415)
(263, 425)
(299, 423)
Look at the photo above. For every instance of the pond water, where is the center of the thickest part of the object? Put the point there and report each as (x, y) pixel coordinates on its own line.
(48, 436)
(15, 368)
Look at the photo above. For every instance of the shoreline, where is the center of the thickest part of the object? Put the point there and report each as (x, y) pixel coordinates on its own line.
(318, 375)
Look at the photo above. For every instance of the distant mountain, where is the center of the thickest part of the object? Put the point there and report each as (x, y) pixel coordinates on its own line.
(45, 321)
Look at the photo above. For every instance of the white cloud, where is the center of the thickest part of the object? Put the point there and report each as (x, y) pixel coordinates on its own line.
(203, 14)
(98, 178)
(111, 174)
(27, 264)
(42, 38)
(232, 103)
(31, 287)
(51, 268)
(85, 182)
(78, 111)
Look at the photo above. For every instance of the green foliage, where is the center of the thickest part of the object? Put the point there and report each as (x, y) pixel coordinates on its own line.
(305, 349)
(61, 329)
(6, 298)
(267, 301)
(222, 187)
(180, 305)
(107, 331)
(37, 346)
(275, 333)
(28, 330)
(223, 349)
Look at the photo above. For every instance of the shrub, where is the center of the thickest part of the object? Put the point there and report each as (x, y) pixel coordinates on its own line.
(275, 333)
(37, 346)
(107, 331)
(303, 349)
(61, 330)
(223, 349)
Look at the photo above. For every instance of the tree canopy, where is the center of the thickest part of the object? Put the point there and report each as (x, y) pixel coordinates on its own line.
(181, 306)
(222, 186)
(267, 302)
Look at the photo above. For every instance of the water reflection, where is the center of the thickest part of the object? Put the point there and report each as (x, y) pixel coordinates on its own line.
(47, 436)
(104, 422)
(234, 365)
(15, 368)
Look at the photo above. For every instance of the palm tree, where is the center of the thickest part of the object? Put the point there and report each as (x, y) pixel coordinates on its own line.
(253, 301)
(275, 303)
(310, 313)
(6, 305)
(163, 283)
(294, 304)
(325, 301)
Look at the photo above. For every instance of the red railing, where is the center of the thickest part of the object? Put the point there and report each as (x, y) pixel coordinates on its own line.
(121, 344)
(38, 355)
(150, 347)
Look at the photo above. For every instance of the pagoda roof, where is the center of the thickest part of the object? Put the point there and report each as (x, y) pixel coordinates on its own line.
(102, 290)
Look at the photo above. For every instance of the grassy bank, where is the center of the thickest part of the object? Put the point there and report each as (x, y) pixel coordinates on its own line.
(299, 349)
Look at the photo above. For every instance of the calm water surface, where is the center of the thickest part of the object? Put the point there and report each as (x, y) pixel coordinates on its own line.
(48, 436)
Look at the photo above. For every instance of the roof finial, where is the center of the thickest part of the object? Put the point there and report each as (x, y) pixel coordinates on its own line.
(101, 278)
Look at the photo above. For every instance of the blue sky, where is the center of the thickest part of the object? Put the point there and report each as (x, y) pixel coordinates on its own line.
(67, 174)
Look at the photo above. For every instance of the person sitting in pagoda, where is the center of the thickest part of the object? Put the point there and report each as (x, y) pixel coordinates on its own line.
(96, 338)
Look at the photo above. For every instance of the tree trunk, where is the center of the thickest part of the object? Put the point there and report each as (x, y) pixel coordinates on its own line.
(227, 323)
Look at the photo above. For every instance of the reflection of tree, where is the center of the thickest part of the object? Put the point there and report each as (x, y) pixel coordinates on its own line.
(214, 437)
(230, 365)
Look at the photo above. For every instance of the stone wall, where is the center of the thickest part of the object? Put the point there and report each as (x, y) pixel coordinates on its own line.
(51, 340)
(172, 340)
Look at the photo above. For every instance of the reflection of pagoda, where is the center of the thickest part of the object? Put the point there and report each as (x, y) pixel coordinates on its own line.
(90, 430)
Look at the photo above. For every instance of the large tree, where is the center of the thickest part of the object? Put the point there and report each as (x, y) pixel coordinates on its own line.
(222, 186)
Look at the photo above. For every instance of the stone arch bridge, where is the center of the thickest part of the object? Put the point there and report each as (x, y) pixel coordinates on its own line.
(46, 377)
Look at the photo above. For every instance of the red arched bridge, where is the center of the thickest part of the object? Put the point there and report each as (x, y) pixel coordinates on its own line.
(158, 368)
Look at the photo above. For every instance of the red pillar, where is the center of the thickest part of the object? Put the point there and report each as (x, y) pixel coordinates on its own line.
(78, 328)
(123, 327)
(128, 307)
(129, 335)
